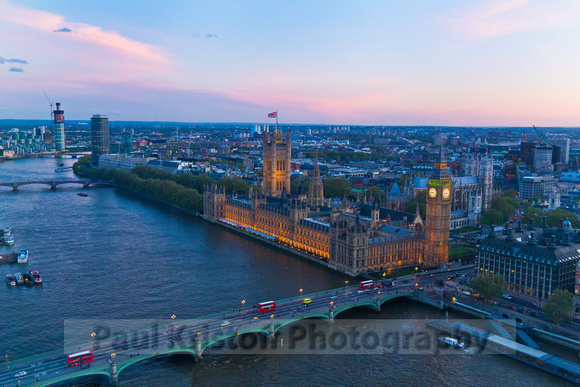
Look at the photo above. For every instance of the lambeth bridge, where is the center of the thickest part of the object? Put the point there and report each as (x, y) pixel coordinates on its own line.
(52, 184)
(112, 355)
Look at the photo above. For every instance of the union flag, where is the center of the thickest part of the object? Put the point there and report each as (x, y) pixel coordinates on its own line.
(273, 115)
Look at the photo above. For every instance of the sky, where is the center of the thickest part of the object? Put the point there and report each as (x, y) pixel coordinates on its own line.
(383, 62)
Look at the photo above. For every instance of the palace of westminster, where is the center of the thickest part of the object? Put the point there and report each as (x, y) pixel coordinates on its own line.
(356, 238)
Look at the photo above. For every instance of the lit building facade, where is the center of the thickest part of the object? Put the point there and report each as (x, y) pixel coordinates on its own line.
(277, 165)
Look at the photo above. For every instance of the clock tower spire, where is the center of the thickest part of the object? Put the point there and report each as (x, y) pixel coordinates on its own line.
(438, 215)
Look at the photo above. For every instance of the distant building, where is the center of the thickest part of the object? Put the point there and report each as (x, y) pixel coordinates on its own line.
(59, 137)
(543, 159)
(564, 144)
(127, 141)
(532, 186)
(122, 162)
(527, 150)
(533, 261)
(99, 137)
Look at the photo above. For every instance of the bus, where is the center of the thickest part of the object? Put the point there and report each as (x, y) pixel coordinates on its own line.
(79, 358)
(366, 284)
(266, 306)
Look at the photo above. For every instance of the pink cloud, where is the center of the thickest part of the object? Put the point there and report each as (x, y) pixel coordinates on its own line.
(86, 34)
(503, 17)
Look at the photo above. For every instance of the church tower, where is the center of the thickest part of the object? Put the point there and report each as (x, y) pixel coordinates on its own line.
(438, 215)
(316, 188)
(277, 155)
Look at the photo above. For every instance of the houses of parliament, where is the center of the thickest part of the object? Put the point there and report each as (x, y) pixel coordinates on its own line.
(355, 237)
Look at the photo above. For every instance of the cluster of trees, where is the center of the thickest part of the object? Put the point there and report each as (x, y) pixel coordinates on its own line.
(501, 208)
(421, 201)
(554, 218)
(559, 306)
(180, 190)
(336, 187)
(489, 286)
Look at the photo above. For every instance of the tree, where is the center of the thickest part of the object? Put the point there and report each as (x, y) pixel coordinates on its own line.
(501, 209)
(295, 184)
(420, 200)
(489, 286)
(554, 218)
(336, 187)
(375, 192)
(558, 307)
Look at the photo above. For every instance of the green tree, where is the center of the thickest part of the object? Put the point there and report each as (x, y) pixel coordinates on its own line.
(489, 286)
(554, 218)
(501, 209)
(336, 187)
(421, 200)
(375, 192)
(296, 183)
(558, 307)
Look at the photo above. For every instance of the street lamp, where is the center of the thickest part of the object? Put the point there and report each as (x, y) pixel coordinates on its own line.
(271, 316)
(345, 283)
(93, 336)
(301, 290)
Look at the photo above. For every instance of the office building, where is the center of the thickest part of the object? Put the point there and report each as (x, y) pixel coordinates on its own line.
(543, 159)
(99, 137)
(533, 261)
(127, 141)
(564, 144)
(527, 152)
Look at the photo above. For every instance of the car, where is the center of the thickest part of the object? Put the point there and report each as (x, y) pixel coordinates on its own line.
(20, 374)
(511, 307)
(306, 301)
(523, 310)
(466, 292)
(178, 337)
(255, 319)
(360, 291)
(333, 297)
(225, 323)
(507, 296)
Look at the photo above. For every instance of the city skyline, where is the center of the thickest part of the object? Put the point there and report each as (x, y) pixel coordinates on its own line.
(453, 64)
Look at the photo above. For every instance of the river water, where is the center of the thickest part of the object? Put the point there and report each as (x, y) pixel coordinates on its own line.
(113, 256)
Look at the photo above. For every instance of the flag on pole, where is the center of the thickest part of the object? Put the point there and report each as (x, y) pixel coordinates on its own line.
(273, 115)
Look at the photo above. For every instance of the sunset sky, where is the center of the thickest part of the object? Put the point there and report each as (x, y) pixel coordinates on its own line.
(474, 63)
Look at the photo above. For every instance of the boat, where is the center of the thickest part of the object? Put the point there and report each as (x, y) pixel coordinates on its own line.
(451, 342)
(58, 170)
(82, 194)
(19, 279)
(23, 256)
(7, 231)
(36, 278)
(28, 281)
(60, 165)
(10, 280)
(9, 240)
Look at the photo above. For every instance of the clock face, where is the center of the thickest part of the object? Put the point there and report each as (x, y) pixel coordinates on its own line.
(432, 192)
(446, 193)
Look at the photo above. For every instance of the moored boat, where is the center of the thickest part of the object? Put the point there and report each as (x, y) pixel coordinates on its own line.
(82, 194)
(452, 342)
(7, 231)
(10, 280)
(19, 279)
(23, 256)
(9, 240)
(36, 278)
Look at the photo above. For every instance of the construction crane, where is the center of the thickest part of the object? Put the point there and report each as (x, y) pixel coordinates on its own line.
(473, 143)
(541, 134)
(51, 111)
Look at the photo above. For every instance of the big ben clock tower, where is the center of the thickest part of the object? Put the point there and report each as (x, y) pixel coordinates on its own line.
(438, 215)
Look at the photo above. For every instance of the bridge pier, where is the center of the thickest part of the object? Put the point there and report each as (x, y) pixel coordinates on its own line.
(114, 373)
(378, 306)
(198, 350)
(272, 331)
(15, 187)
(331, 315)
(86, 185)
(52, 185)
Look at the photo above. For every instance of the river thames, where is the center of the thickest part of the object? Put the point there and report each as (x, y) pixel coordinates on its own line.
(112, 256)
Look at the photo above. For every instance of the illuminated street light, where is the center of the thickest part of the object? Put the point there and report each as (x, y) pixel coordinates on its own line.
(243, 302)
(271, 316)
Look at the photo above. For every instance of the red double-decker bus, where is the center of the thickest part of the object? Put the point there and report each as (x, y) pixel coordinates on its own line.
(266, 306)
(366, 284)
(79, 358)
